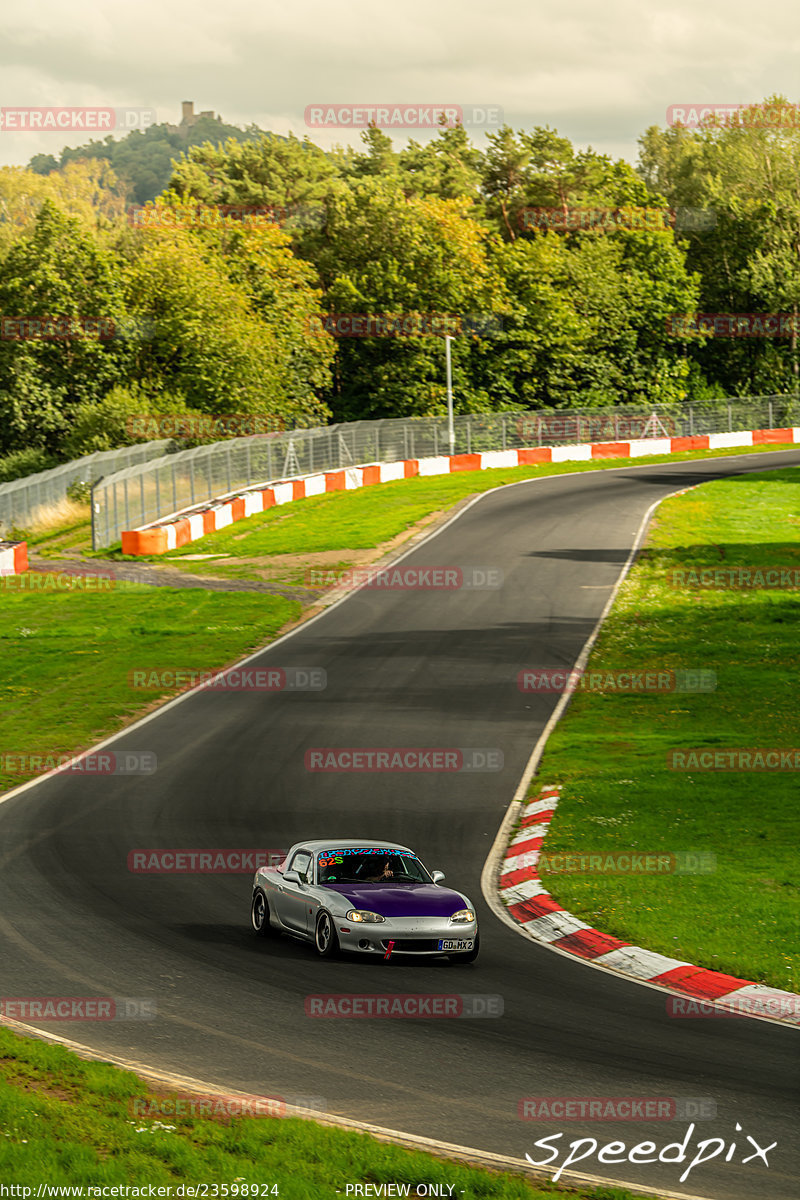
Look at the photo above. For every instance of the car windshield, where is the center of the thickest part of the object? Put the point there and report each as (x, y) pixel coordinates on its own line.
(370, 865)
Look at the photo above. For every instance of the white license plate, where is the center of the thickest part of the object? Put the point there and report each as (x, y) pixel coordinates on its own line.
(456, 944)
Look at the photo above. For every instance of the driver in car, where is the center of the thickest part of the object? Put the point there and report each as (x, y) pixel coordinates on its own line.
(386, 873)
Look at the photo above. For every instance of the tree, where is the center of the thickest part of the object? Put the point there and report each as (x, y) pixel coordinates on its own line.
(385, 254)
(227, 308)
(447, 166)
(58, 271)
(745, 173)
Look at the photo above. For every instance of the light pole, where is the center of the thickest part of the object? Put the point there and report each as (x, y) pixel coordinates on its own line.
(451, 433)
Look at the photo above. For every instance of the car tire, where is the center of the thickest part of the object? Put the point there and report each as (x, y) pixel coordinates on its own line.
(468, 956)
(259, 914)
(326, 941)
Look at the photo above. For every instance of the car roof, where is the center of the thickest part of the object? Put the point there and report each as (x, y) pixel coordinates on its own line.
(346, 844)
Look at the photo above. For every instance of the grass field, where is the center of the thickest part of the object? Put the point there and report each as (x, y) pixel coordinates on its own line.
(610, 750)
(67, 657)
(66, 1121)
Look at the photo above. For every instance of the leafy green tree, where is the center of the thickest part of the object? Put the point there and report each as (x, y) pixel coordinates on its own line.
(745, 174)
(283, 173)
(225, 308)
(447, 166)
(88, 191)
(378, 159)
(387, 254)
(58, 271)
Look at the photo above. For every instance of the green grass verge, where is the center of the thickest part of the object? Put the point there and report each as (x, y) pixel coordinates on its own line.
(65, 1121)
(610, 750)
(67, 657)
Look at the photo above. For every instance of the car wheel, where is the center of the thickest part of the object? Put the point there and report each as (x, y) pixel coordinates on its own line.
(259, 914)
(325, 938)
(467, 956)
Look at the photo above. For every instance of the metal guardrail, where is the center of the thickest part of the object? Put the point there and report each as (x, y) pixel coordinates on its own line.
(24, 501)
(140, 495)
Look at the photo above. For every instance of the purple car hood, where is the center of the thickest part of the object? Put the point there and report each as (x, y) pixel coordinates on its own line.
(402, 900)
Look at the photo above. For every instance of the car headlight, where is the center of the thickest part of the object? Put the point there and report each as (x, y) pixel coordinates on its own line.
(357, 914)
(463, 914)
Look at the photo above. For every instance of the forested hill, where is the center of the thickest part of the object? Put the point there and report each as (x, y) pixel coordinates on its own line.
(142, 159)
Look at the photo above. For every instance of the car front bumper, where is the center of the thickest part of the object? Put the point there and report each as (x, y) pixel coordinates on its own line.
(411, 935)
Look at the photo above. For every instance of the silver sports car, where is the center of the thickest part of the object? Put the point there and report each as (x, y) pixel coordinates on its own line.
(366, 898)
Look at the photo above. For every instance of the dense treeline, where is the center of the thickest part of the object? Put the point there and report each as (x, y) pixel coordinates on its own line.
(567, 269)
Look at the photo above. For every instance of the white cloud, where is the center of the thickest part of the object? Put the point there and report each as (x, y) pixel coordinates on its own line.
(600, 73)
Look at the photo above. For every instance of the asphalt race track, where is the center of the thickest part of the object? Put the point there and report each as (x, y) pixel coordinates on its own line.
(405, 669)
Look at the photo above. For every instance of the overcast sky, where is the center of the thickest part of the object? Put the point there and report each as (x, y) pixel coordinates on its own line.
(600, 71)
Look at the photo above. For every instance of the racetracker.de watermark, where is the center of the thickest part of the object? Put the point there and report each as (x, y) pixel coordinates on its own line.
(215, 216)
(735, 578)
(410, 324)
(628, 862)
(616, 1108)
(70, 120)
(202, 862)
(748, 116)
(77, 1008)
(414, 579)
(71, 579)
(56, 329)
(557, 679)
(214, 1105)
(630, 217)
(193, 426)
(734, 758)
(399, 1005)
(240, 679)
(424, 760)
(103, 762)
(76, 328)
(764, 1005)
(733, 325)
(403, 116)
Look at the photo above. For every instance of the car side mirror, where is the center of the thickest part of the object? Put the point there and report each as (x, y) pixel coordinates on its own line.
(291, 877)
(437, 876)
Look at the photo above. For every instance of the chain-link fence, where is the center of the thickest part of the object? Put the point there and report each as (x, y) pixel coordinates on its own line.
(143, 494)
(25, 502)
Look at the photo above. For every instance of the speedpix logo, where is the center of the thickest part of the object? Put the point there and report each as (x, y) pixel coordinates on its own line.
(647, 1152)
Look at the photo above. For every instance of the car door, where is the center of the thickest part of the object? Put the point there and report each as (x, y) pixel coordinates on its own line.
(293, 898)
